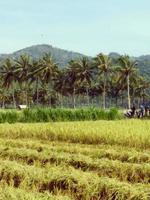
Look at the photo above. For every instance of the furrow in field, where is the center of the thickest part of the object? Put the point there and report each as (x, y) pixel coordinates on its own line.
(99, 151)
(11, 193)
(83, 185)
(131, 172)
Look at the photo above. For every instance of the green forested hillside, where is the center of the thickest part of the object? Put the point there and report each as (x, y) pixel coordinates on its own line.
(144, 65)
(46, 75)
(62, 57)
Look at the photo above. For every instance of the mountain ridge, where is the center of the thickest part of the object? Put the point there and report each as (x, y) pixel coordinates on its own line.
(62, 57)
(61, 49)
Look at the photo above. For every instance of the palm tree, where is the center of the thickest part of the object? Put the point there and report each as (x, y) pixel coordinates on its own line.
(139, 88)
(96, 89)
(114, 86)
(126, 70)
(50, 72)
(71, 80)
(3, 96)
(23, 66)
(9, 77)
(103, 63)
(61, 86)
(35, 75)
(84, 74)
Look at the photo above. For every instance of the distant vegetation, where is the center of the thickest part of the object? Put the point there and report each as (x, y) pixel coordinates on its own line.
(55, 115)
(103, 81)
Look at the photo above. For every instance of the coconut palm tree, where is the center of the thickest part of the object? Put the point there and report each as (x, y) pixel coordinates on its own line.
(127, 68)
(23, 66)
(71, 80)
(115, 87)
(103, 63)
(35, 76)
(84, 74)
(139, 88)
(9, 77)
(50, 72)
(61, 86)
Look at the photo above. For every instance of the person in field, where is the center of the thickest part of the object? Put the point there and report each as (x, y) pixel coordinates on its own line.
(132, 112)
(142, 110)
(147, 109)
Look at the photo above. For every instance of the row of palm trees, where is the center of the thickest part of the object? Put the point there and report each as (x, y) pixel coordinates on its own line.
(28, 81)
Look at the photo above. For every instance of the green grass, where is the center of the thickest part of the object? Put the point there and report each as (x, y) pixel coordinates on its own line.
(50, 115)
(75, 160)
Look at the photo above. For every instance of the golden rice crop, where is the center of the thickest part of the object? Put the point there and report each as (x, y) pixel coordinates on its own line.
(75, 160)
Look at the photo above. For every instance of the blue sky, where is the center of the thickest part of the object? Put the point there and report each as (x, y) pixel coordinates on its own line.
(86, 26)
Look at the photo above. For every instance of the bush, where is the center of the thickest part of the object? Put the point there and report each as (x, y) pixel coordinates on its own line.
(113, 114)
(9, 116)
(58, 114)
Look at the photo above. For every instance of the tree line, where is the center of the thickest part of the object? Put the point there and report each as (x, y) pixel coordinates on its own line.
(100, 81)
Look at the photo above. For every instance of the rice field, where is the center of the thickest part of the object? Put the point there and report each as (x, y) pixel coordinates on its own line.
(108, 160)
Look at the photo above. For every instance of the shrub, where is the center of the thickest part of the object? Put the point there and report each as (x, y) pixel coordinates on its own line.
(113, 114)
(58, 114)
(9, 116)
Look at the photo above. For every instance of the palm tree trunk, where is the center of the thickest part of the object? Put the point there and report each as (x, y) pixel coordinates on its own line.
(143, 99)
(24, 87)
(49, 88)
(61, 98)
(74, 98)
(26, 94)
(116, 100)
(3, 104)
(92, 102)
(104, 93)
(110, 102)
(143, 96)
(13, 96)
(37, 91)
(128, 91)
(100, 101)
(122, 102)
(88, 98)
(139, 101)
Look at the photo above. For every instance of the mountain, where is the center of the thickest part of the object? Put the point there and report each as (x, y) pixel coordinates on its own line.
(62, 57)
(114, 55)
(143, 63)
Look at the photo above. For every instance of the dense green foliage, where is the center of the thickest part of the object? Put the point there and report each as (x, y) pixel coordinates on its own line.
(59, 114)
(75, 160)
(101, 81)
(62, 57)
